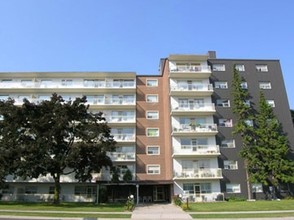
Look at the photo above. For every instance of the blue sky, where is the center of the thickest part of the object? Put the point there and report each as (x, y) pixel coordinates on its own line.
(132, 35)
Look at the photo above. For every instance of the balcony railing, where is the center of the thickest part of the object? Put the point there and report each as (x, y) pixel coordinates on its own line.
(191, 87)
(124, 137)
(111, 101)
(205, 173)
(121, 156)
(195, 128)
(120, 119)
(191, 68)
(196, 149)
(193, 107)
(72, 84)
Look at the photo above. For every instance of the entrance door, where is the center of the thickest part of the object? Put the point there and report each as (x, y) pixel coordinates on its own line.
(158, 193)
(197, 192)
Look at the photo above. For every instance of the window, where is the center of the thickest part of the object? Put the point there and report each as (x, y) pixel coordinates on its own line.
(233, 188)
(27, 83)
(221, 85)
(265, 85)
(153, 150)
(228, 143)
(152, 132)
(261, 68)
(152, 98)
(247, 103)
(240, 67)
(152, 114)
(4, 97)
(230, 165)
(88, 191)
(31, 189)
(225, 122)
(51, 189)
(223, 103)
(66, 82)
(218, 67)
(153, 169)
(152, 82)
(257, 188)
(249, 122)
(271, 103)
(244, 85)
(193, 187)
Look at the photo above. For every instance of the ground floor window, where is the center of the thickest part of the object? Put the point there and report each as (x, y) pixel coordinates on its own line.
(87, 191)
(31, 189)
(257, 188)
(197, 187)
(233, 188)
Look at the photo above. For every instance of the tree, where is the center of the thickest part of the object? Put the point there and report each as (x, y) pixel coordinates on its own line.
(272, 165)
(244, 114)
(128, 176)
(56, 138)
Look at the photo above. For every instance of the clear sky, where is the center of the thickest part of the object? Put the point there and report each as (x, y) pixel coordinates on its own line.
(132, 35)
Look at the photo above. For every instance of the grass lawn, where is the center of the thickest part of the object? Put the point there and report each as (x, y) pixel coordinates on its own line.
(242, 207)
(86, 210)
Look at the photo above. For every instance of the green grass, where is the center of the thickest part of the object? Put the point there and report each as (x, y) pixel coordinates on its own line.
(249, 215)
(242, 206)
(82, 210)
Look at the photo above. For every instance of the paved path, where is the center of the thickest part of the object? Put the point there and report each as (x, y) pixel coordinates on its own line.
(159, 212)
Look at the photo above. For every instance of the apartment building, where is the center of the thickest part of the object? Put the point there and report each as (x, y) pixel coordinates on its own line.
(173, 130)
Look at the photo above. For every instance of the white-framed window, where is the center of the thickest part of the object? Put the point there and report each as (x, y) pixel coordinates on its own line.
(221, 85)
(265, 85)
(152, 115)
(257, 188)
(244, 85)
(230, 165)
(223, 122)
(151, 82)
(152, 98)
(271, 103)
(228, 143)
(153, 150)
(223, 102)
(218, 67)
(261, 68)
(66, 82)
(31, 189)
(233, 188)
(240, 67)
(152, 132)
(153, 169)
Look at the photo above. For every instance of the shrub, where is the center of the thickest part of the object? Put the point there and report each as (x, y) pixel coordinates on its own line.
(177, 200)
(130, 205)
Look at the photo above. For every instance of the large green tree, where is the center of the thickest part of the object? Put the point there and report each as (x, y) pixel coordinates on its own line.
(271, 165)
(55, 138)
(243, 126)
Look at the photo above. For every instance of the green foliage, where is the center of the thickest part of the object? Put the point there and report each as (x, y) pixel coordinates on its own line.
(130, 204)
(270, 164)
(177, 200)
(54, 137)
(185, 207)
(128, 176)
(115, 174)
(234, 198)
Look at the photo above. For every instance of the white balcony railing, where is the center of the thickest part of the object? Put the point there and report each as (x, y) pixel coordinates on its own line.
(71, 84)
(193, 107)
(111, 101)
(196, 149)
(122, 156)
(195, 128)
(191, 68)
(120, 119)
(205, 173)
(191, 87)
(124, 137)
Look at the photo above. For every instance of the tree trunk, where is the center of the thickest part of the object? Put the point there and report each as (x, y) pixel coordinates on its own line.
(247, 181)
(56, 189)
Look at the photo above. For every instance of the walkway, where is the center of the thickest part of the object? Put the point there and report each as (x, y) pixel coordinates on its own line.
(159, 212)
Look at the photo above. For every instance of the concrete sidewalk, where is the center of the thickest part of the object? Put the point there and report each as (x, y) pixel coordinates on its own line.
(159, 212)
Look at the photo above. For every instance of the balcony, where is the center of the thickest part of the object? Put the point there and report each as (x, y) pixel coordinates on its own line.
(120, 119)
(193, 109)
(69, 85)
(112, 103)
(124, 137)
(190, 71)
(206, 173)
(196, 150)
(192, 90)
(122, 156)
(191, 130)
